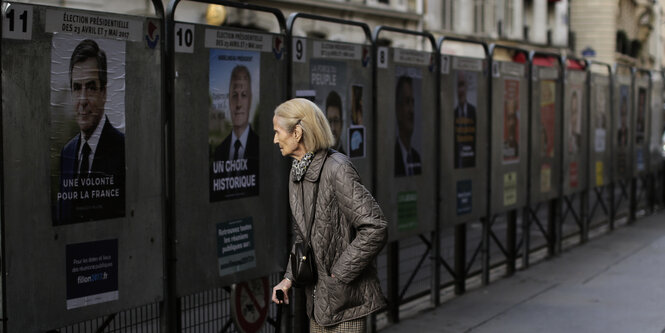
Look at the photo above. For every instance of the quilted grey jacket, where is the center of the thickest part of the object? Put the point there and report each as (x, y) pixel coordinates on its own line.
(348, 233)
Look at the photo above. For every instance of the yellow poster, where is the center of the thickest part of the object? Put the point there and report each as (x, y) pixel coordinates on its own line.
(599, 173)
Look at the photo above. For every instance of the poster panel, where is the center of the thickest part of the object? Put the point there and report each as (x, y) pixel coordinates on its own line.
(656, 127)
(640, 155)
(464, 135)
(404, 166)
(337, 77)
(622, 131)
(640, 120)
(82, 98)
(227, 85)
(574, 138)
(509, 136)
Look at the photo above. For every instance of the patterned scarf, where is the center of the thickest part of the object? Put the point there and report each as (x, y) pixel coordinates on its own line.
(300, 167)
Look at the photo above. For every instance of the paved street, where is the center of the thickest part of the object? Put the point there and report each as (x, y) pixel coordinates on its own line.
(614, 283)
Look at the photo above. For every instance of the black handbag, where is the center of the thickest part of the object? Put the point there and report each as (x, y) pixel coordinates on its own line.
(303, 267)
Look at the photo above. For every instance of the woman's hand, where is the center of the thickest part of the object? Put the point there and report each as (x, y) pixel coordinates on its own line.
(284, 286)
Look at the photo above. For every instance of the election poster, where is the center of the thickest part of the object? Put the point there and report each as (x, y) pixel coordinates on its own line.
(87, 133)
(547, 117)
(641, 110)
(575, 120)
(234, 118)
(465, 100)
(408, 102)
(92, 273)
(511, 121)
(600, 116)
(329, 92)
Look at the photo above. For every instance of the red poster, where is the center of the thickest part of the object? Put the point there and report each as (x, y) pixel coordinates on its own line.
(572, 172)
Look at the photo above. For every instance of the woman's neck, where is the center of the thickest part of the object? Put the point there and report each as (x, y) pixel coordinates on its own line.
(299, 153)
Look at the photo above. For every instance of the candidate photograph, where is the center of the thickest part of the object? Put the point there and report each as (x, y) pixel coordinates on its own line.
(234, 161)
(465, 99)
(575, 121)
(88, 125)
(408, 160)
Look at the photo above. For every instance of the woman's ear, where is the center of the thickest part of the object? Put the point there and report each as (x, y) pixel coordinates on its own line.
(297, 132)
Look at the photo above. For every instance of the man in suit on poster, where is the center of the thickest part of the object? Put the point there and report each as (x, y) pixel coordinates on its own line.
(465, 126)
(92, 163)
(242, 144)
(407, 159)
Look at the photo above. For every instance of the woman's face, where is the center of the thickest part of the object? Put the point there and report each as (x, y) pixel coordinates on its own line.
(287, 142)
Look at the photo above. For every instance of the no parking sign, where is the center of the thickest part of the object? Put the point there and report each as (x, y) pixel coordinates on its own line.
(250, 301)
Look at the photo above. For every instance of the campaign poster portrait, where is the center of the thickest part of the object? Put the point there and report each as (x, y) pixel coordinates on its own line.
(600, 119)
(87, 145)
(465, 100)
(357, 105)
(356, 138)
(575, 120)
(233, 138)
(547, 117)
(408, 118)
(511, 121)
(641, 109)
(329, 91)
(622, 119)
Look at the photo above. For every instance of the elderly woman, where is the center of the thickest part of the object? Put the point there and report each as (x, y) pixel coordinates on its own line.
(348, 229)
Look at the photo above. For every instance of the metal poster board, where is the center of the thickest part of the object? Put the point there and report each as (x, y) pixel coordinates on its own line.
(656, 122)
(621, 122)
(575, 117)
(641, 105)
(406, 122)
(337, 76)
(600, 129)
(546, 113)
(509, 118)
(464, 130)
(228, 175)
(83, 164)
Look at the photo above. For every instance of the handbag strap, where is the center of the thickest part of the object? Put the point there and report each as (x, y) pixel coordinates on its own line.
(316, 194)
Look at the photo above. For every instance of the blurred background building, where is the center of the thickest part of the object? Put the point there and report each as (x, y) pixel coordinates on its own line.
(627, 31)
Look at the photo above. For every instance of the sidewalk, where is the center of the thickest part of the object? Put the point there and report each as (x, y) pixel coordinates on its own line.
(614, 283)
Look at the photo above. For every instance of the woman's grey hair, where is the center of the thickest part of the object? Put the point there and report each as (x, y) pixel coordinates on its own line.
(316, 133)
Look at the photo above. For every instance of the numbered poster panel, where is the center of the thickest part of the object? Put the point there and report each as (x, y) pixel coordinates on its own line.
(656, 126)
(406, 120)
(510, 121)
(82, 95)
(575, 135)
(640, 123)
(337, 77)
(622, 132)
(228, 223)
(545, 153)
(464, 139)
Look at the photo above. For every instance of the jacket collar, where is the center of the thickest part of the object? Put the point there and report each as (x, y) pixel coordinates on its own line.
(314, 171)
